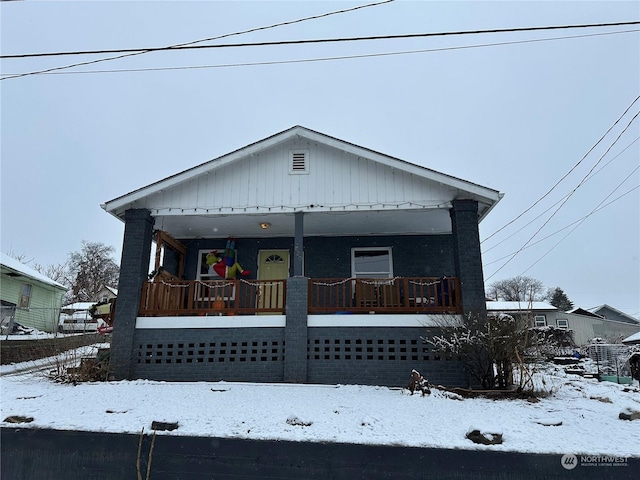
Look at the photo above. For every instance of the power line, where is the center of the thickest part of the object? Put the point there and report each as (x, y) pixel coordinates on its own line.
(597, 209)
(566, 174)
(567, 197)
(184, 45)
(321, 59)
(319, 40)
(545, 211)
(579, 223)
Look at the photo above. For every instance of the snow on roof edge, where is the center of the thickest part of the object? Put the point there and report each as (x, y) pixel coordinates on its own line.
(15, 265)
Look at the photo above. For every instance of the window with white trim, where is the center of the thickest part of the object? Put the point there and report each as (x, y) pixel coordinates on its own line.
(540, 321)
(206, 272)
(371, 262)
(206, 263)
(562, 323)
(298, 162)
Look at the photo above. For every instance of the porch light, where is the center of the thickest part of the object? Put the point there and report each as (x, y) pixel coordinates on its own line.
(265, 225)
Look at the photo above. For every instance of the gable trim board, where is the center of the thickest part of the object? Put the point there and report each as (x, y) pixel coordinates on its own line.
(486, 197)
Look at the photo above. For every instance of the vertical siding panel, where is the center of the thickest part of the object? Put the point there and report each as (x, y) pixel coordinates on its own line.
(238, 185)
(345, 162)
(335, 178)
(311, 183)
(262, 173)
(253, 185)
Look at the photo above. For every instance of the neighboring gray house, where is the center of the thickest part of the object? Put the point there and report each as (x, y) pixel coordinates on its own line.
(28, 297)
(585, 325)
(340, 258)
(610, 313)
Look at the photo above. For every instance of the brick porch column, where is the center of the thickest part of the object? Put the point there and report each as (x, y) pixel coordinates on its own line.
(295, 333)
(134, 268)
(467, 257)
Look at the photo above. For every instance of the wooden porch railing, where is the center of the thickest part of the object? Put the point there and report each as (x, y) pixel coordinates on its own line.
(382, 295)
(218, 297)
(326, 295)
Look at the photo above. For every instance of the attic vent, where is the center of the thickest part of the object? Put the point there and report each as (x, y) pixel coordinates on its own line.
(299, 162)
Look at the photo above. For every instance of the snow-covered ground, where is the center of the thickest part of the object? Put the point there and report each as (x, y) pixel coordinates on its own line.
(580, 416)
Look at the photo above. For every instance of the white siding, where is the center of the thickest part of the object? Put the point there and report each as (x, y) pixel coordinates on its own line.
(336, 179)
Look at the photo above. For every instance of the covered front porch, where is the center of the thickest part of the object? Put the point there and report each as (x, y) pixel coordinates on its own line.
(399, 295)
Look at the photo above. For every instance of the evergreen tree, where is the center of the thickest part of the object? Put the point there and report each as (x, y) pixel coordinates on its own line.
(559, 299)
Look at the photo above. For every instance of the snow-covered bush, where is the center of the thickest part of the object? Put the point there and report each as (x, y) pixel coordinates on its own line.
(493, 346)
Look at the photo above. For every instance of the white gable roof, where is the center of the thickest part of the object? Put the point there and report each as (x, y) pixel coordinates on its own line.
(340, 177)
(21, 269)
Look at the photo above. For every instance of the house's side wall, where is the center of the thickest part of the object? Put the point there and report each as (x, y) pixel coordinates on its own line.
(413, 256)
(378, 356)
(44, 307)
(247, 251)
(334, 355)
(230, 354)
(585, 328)
(330, 257)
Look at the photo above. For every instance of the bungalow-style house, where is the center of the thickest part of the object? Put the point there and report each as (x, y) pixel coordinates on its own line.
(298, 258)
(28, 297)
(584, 324)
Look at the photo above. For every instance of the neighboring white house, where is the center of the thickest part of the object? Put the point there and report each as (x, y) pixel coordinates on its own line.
(28, 297)
(585, 325)
(106, 293)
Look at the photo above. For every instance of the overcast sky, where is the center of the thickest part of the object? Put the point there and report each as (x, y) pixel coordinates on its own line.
(516, 117)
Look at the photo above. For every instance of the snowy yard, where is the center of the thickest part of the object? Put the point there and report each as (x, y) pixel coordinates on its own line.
(580, 416)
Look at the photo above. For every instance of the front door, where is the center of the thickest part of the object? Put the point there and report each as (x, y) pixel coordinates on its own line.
(272, 265)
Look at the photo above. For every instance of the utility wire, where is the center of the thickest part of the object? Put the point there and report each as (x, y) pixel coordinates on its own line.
(579, 223)
(597, 209)
(320, 40)
(545, 211)
(567, 197)
(324, 59)
(179, 45)
(565, 175)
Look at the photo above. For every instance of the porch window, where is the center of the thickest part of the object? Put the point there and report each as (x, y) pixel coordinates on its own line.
(540, 321)
(205, 270)
(371, 262)
(562, 323)
(25, 295)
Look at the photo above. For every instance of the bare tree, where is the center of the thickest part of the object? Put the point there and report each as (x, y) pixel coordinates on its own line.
(90, 269)
(517, 289)
(56, 272)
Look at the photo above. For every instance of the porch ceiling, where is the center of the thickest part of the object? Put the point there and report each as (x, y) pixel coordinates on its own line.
(433, 222)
